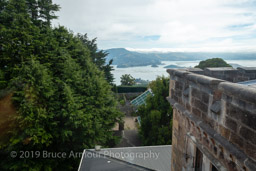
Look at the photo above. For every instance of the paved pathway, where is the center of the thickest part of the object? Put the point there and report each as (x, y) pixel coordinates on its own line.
(130, 135)
(129, 123)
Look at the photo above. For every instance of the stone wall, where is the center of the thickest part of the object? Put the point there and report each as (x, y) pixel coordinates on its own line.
(228, 73)
(215, 116)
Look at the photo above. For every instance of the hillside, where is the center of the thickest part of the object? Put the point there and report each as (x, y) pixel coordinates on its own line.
(124, 58)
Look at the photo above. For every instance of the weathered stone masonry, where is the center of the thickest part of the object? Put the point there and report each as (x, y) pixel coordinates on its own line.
(214, 116)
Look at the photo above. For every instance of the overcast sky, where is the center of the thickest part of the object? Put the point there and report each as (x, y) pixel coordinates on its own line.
(167, 25)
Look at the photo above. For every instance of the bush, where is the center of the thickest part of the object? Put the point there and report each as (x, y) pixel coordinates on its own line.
(156, 115)
(214, 62)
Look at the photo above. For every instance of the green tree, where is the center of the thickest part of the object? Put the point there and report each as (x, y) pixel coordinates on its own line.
(156, 115)
(127, 80)
(62, 98)
(46, 11)
(98, 57)
(214, 62)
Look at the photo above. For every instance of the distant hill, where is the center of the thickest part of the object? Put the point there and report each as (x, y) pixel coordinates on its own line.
(124, 58)
(173, 66)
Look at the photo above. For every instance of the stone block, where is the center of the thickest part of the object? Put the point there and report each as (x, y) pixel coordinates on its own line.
(231, 124)
(210, 122)
(196, 93)
(248, 134)
(227, 98)
(171, 93)
(224, 132)
(175, 124)
(205, 127)
(188, 107)
(174, 141)
(237, 140)
(178, 93)
(243, 116)
(250, 107)
(216, 107)
(250, 149)
(171, 84)
(239, 102)
(196, 112)
(217, 95)
(200, 105)
(186, 92)
(195, 70)
(175, 98)
(205, 97)
(178, 85)
(205, 142)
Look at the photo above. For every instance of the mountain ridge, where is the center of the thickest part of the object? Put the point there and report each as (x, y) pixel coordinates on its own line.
(124, 58)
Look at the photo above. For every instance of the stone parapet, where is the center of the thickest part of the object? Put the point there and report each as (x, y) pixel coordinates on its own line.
(231, 74)
(220, 115)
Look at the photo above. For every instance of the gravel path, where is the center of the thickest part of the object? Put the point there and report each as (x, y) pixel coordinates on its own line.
(130, 133)
(129, 123)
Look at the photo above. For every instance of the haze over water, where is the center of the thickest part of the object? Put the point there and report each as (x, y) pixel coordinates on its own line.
(151, 73)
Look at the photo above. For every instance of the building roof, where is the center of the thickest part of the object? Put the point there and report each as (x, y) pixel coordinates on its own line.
(144, 157)
(141, 99)
(93, 161)
(251, 83)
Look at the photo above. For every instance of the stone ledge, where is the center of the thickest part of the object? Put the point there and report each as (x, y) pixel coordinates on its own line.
(177, 72)
(220, 69)
(194, 77)
(202, 79)
(247, 69)
(170, 100)
(240, 91)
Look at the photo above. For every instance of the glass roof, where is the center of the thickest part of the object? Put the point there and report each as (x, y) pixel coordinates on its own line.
(141, 99)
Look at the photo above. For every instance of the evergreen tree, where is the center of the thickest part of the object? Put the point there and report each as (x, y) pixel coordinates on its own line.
(33, 10)
(62, 98)
(156, 115)
(98, 57)
(46, 11)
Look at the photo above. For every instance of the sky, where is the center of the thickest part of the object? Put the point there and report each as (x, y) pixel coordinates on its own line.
(164, 25)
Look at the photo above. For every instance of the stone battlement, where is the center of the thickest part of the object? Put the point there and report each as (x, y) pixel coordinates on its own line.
(227, 73)
(216, 116)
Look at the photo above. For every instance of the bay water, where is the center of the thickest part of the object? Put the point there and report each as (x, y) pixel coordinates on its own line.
(151, 73)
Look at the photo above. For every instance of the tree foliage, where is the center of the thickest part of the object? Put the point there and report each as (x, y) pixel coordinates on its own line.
(62, 98)
(98, 57)
(127, 80)
(214, 62)
(156, 115)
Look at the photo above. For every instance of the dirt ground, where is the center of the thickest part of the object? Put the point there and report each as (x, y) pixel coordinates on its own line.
(129, 123)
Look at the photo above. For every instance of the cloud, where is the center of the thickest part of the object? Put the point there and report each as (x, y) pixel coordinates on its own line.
(214, 25)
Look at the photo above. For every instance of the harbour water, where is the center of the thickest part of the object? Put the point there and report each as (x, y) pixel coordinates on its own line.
(151, 73)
